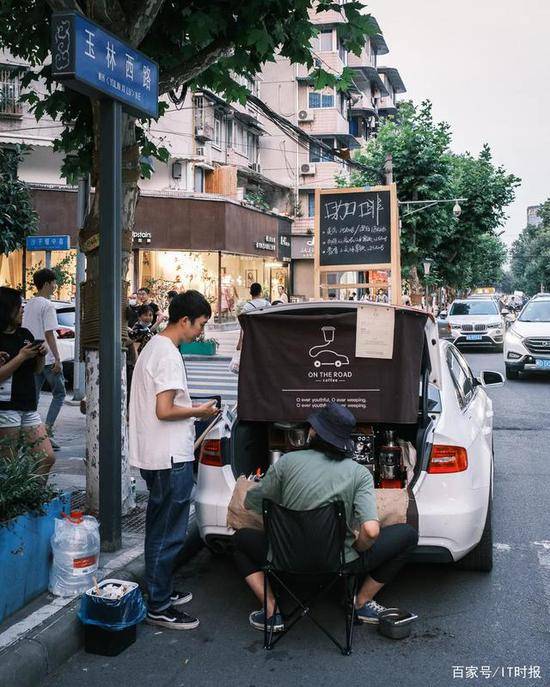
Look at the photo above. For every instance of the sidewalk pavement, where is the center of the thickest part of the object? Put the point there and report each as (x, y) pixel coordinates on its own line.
(39, 638)
(36, 640)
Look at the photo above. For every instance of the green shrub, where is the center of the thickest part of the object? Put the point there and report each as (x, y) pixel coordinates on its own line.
(21, 489)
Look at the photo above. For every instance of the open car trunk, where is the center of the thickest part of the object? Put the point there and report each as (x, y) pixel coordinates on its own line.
(280, 386)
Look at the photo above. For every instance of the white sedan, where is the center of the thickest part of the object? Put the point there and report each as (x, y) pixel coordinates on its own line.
(450, 486)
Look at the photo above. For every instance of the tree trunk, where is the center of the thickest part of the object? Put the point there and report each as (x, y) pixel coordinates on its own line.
(89, 241)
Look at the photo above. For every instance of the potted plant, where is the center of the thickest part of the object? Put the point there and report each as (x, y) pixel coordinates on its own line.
(201, 346)
(28, 508)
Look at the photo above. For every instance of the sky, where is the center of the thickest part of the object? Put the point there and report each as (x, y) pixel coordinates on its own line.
(485, 66)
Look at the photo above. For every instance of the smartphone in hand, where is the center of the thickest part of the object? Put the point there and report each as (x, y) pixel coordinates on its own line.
(37, 343)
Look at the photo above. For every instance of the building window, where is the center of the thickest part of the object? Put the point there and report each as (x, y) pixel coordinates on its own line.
(252, 148)
(342, 52)
(311, 204)
(318, 154)
(318, 99)
(10, 91)
(229, 133)
(239, 143)
(199, 180)
(218, 131)
(198, 106)
(324, 41)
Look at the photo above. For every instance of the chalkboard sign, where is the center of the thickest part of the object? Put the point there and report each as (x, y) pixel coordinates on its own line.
(355, 228)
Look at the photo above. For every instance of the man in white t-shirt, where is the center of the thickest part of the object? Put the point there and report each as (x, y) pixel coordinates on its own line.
(162, 436)
(40, 318)
(256, 302)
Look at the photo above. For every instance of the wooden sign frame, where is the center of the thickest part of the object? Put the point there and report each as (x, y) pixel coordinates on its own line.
(395, 249)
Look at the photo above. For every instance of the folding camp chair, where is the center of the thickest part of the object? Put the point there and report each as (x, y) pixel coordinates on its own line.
(306, 544)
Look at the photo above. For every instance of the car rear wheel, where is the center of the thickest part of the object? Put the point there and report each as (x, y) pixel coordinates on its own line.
(511, 373)
(481, 557)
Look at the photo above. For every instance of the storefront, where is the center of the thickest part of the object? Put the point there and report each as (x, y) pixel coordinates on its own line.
(214, 245)
(17, 268)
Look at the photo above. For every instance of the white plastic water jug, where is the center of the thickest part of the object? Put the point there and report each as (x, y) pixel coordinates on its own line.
(75, 546)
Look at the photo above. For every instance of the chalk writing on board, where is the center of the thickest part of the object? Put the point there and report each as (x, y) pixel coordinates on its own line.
(355, 228)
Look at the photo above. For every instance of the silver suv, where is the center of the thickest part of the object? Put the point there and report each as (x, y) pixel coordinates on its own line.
(476, 322)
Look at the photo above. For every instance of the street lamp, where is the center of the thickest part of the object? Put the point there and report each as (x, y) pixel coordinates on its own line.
(427, 264)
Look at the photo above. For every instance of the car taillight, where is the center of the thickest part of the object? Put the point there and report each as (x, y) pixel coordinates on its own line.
(445, 459)
(64, 333)
(211, 453)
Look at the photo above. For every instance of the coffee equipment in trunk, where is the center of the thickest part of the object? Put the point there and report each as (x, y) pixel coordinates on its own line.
(391, 473)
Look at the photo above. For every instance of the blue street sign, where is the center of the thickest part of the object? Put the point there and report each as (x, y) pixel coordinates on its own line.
(59, 242)
(95, 62)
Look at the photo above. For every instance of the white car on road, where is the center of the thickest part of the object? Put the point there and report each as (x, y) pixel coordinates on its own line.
(476, 322)
(527, 341)
(451, 485)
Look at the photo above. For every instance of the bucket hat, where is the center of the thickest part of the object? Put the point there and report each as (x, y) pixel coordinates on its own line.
(334, 424)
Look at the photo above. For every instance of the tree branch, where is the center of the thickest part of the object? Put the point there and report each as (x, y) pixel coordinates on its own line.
(109, 13)
(188, 70)
(146, 13)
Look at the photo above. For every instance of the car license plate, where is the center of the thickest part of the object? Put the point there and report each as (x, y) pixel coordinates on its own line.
(543, 364)
(473, 337)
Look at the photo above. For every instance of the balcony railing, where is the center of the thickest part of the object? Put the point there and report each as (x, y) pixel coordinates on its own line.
(10, 92)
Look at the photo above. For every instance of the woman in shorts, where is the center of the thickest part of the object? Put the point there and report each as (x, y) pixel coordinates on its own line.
(20, 359)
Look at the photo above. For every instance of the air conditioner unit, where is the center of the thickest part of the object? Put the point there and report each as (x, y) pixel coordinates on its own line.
(177, 169)
(306, 116)
(307, 168)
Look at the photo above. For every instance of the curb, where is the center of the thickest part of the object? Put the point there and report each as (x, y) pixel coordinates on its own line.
(41, 652)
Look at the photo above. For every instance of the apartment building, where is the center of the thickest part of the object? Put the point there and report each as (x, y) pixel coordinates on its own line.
(207, 219)
(343, 121)
(218, 215)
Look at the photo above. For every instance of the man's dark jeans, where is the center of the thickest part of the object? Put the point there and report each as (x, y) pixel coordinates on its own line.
(165, 528)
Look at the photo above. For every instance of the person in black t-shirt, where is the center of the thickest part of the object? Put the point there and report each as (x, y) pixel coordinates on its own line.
(20, 358)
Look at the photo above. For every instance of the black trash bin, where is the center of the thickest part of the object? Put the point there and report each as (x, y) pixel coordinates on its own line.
(110, 625)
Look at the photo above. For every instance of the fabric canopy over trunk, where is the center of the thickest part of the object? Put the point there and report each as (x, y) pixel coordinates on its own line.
(298, 360)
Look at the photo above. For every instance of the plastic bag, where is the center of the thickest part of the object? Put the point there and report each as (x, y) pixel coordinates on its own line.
(235, 363)
(75, 546)
(113, 614)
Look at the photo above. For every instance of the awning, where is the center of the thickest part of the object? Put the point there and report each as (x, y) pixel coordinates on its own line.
(378, 40)
(394, 78)
(367, 75)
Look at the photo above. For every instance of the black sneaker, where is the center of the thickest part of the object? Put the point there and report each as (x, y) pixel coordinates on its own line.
(172, 619)
(180, 598)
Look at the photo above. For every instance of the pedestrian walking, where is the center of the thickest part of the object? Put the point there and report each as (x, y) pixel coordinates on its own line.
(40, 318)
(162, 436)
(256, 302)
(21, 357)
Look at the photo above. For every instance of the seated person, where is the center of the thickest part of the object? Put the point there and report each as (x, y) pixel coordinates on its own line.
(311, 478)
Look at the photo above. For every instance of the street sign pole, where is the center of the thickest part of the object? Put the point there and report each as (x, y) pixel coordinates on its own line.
(91, 60)
(110, 266)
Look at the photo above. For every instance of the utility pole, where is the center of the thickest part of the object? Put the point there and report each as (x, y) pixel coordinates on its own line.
(82, 207)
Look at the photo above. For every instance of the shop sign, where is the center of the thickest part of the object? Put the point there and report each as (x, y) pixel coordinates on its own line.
(94, 61)
(284, 247)
(269, 243)
(141, 236)
(61, 242)
(302, 247)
